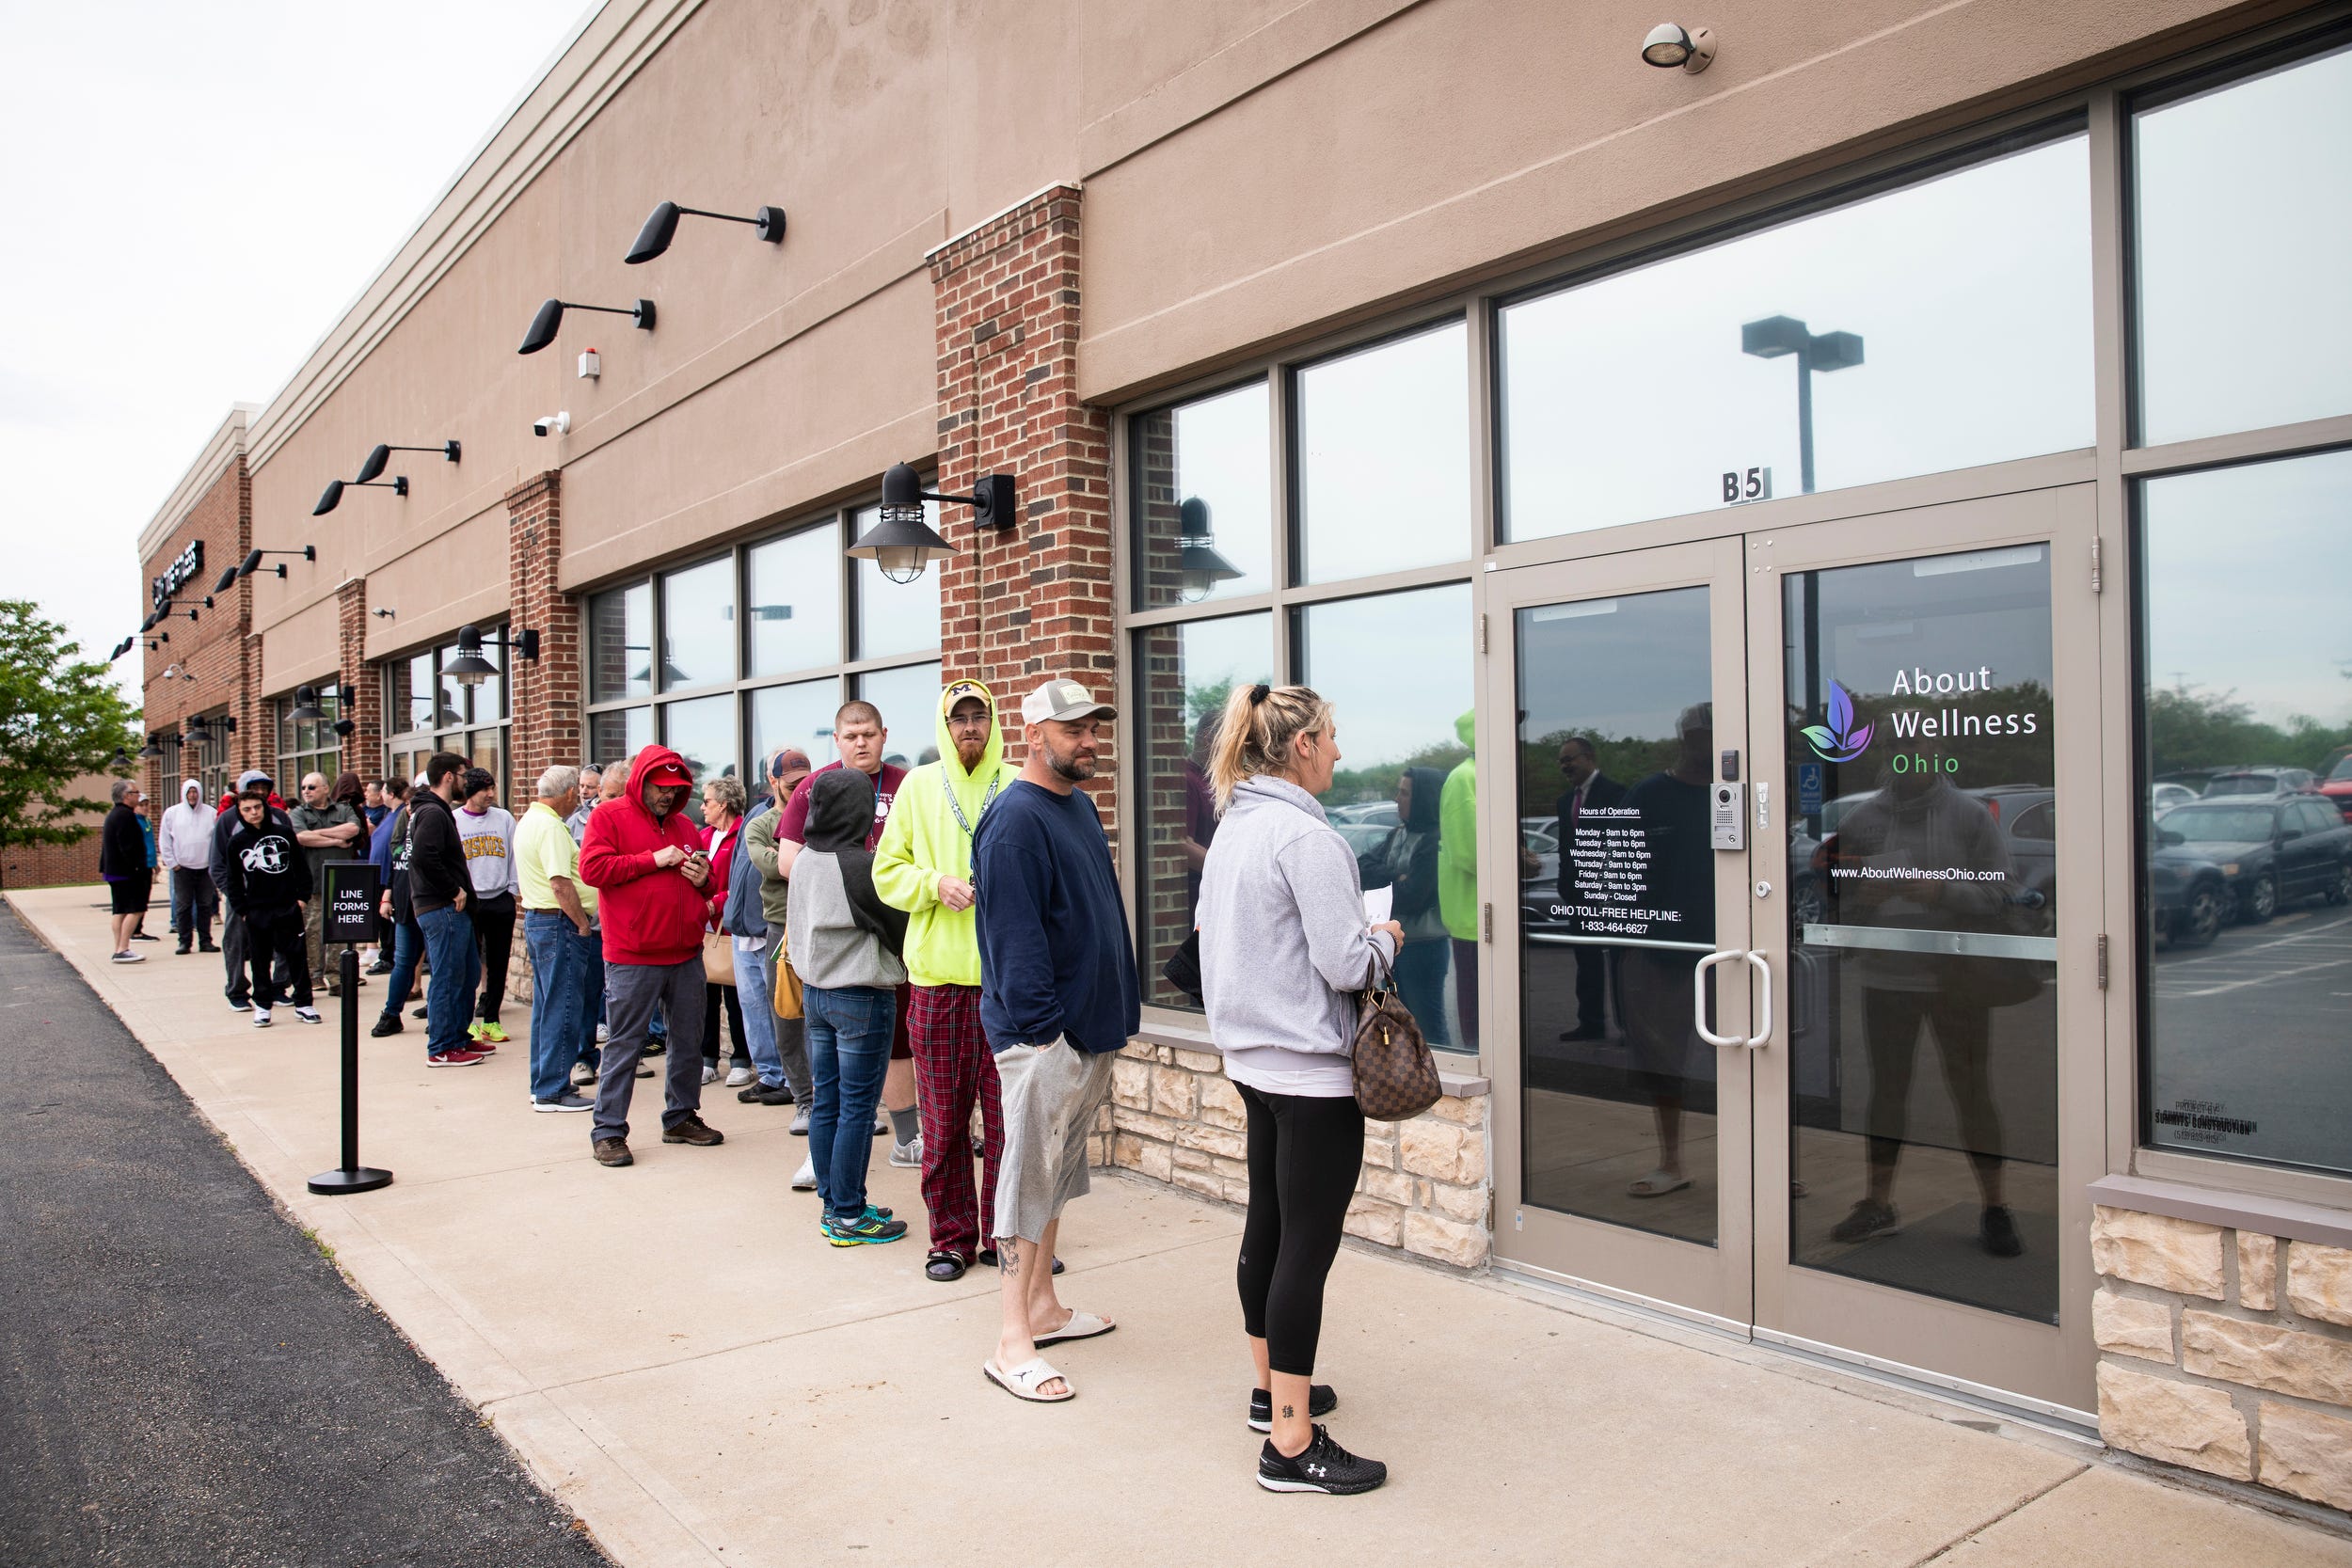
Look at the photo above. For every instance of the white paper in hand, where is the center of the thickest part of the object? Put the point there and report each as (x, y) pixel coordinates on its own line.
(1376, 901)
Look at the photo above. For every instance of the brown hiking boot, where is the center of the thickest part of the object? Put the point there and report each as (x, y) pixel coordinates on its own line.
(614, 1151)
(693, 1130)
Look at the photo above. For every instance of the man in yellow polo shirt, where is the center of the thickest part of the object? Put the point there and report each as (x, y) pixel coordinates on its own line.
(560, 933)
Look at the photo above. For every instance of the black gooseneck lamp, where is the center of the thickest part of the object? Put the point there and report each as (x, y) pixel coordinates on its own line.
(655, 237)
(252, 562)
(550, 317)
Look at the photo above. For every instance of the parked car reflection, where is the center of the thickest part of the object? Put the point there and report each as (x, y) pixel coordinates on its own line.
(2259, 783)
(2189, 899)
(2269, 851)
(2337, 787)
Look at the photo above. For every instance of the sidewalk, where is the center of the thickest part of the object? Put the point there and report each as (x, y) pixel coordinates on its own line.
(681, 1360)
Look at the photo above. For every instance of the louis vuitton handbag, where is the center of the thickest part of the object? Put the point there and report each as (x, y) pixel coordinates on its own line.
(1395, 1076)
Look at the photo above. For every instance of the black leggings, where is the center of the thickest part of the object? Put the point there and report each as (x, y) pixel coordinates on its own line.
(715, 998)
(1304, 1155)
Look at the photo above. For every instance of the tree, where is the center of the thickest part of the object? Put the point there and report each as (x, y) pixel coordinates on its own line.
(61, 719)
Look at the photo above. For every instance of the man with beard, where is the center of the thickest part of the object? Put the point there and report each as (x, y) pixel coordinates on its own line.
(1059, 998)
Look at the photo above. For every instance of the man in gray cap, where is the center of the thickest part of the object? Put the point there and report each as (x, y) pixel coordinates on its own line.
(1059, 998)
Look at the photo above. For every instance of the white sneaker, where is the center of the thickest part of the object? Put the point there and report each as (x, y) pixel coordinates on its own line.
(260, 1017)
(805, 1180)
(710, 1074)
(600, 1033)
(738, 1077)
(908, 1155)
(308, 1015)
(127, 957)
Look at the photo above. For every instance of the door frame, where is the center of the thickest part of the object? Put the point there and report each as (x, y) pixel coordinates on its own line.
(1713, 1284)
(1986, 1354)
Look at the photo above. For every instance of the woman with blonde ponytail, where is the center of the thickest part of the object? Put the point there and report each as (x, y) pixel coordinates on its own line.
(1285, 948)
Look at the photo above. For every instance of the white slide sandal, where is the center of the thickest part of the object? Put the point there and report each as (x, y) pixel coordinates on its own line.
(1082, 1325)
(1022, 1383)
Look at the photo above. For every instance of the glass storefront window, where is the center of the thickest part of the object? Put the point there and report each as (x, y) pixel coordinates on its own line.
(1944, 324)
(1923, 908)
(1182, 676)
(698, 625)
(1203, 498)
(701, 732)
(619, 734)
(1382, 437)
(796, 715)
(896, 617)
(2238, 254)
(908, 698)
(620, 643)
(1396, 669)
(1614, 751)
(795, 608)
(2245, 861)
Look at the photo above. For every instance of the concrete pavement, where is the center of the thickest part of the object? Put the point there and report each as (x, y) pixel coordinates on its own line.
(682, 1360)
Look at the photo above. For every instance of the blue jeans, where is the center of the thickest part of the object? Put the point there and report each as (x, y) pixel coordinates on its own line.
(407, 946)
(849, 1050)
(566, 983)
(759, 1019)
(456, 976)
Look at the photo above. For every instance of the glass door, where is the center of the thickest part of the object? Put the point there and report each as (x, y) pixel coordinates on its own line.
(1796, 1047)
(1623, 1137)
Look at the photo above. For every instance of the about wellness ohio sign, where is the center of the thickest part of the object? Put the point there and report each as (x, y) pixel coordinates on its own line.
(1966, 725)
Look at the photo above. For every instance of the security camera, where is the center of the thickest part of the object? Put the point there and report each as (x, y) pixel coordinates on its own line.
(552, 424)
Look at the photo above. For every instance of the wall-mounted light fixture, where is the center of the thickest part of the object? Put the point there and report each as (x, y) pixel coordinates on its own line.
(252, 562)
(383, 613)
(470, 669)
(1198, 562)
(333, 495)
(372, 465)
(1669, 46)
(902, 545)
(228, 579)
(542, 325)
(122, 647)
(150, 751)
(654, 238)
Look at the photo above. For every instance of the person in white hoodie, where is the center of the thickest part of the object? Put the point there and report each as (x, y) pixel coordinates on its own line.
(1285, 948)
(183, 847)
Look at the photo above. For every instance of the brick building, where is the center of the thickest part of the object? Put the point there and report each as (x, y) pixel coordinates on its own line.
(1773, 535)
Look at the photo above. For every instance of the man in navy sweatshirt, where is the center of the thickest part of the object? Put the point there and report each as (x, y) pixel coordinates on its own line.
(1059, 998)
(265, 880)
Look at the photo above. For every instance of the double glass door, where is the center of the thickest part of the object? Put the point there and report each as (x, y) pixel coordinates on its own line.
(1799, 974)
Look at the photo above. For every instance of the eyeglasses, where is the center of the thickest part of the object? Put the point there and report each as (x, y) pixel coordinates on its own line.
(968, 720)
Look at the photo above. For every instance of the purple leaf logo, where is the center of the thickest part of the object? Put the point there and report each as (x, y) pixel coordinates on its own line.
(1840, 739)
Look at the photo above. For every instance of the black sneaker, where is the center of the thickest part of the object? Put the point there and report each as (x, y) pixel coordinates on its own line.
(235, 1006)
(1323, 1466)
(387, 1024)
(1867, 1220)
(1999, 1232)
(1321, 1401)
(419, 1013)
(760, 1094)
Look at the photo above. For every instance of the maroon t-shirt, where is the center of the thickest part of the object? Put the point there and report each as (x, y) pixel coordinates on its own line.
(794, 824)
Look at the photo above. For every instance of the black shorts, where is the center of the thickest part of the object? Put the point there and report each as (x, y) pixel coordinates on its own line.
(129, 897)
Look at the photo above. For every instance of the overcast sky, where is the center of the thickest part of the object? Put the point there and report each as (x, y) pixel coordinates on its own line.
(194, 194)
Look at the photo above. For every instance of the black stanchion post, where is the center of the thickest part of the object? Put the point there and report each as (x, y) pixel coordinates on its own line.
(351, 901)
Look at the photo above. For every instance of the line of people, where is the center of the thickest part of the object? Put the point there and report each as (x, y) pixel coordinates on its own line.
(959, 923)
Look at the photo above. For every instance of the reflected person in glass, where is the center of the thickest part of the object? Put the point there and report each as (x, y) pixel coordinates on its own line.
(1588, 787)
(1654, 983)
(1457, 876)
(1922, 855)
(1406, 862)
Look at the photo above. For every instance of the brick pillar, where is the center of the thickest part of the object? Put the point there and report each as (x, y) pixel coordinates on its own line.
(1008, 324)
(251, 747)
(364, 748)
(545, 693)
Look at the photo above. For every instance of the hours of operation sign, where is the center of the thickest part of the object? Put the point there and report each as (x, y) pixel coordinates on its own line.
(1606, 874)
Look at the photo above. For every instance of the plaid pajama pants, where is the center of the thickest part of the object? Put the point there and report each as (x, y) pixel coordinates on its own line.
(953, 1069)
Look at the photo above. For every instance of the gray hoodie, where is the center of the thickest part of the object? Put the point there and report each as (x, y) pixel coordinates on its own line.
(1284, 944)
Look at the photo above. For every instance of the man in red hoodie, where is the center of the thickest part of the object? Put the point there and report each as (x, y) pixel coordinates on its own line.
(646, 860)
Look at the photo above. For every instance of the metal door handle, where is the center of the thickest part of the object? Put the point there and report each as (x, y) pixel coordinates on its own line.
(1698, 997)
(1764, 1004)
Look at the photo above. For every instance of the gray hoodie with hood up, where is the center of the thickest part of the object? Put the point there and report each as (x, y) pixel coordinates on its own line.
(1284, 944)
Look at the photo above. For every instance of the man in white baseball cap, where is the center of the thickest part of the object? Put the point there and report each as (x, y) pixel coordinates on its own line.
(1059, 998)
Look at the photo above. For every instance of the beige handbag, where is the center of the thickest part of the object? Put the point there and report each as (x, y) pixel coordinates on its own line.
(718, 958)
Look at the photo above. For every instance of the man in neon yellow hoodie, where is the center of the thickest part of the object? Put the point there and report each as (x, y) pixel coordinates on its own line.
(1458, 879)
(923, 865)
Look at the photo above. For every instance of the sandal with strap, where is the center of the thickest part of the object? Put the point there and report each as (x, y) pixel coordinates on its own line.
(1082, 1325)
(1022, 1383)
(943, 1267)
